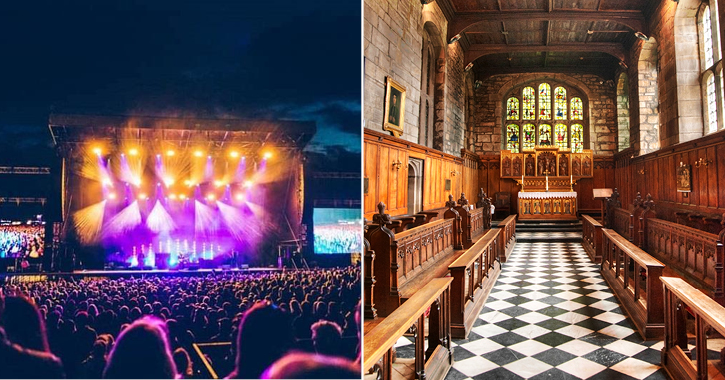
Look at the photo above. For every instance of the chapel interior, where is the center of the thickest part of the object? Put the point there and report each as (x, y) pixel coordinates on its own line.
(542, 189)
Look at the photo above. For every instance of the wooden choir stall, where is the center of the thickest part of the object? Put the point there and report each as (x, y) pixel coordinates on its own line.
(547, 176)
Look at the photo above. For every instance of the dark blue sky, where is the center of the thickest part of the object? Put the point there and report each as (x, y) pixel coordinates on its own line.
(206, 58)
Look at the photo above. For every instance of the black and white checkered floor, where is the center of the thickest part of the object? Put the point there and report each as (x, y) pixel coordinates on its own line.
(551, 316)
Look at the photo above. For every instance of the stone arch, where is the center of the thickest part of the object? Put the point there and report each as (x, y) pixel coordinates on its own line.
(623, 111)
(531, 77)
(432, 106)
(687, 66)
(648, 91)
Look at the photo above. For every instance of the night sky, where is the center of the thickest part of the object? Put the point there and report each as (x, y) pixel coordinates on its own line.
(206, 58)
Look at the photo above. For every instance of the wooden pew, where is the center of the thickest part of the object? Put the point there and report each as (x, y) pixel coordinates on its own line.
(369, 281)
(681, 298)
(623, 264)
(592, 238)
(474, 274)
(404, 262)
(430, 364)
(508, 237)
(692, 254)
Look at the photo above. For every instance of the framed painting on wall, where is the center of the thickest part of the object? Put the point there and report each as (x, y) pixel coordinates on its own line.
(394, 107)
(684, 176)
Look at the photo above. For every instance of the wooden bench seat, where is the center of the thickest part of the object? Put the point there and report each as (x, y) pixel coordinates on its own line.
(623, 265)
(474, 274)
(432, 363)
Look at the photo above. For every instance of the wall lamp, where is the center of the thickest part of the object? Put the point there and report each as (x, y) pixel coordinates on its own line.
(397, 164)
(641, 36)
(702, 162)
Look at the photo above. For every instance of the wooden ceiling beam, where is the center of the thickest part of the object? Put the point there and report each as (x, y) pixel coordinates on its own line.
(606, 72)
(631, 19)
(476, 51)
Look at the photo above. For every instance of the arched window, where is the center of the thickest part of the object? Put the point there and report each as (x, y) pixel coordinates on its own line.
(512, 109)
(529, 141)
(428, 96)
(512, 137)
(536, 112)
(711, 97)
(709, 61)
(529, 103)
(623, 111)
(544, 101)
(560, 103)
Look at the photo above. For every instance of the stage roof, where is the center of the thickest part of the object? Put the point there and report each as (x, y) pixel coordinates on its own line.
(69, 130)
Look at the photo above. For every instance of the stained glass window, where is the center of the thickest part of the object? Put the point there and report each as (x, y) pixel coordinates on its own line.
(529, 105)
(512, 136)
(529, 134)
(711, 104)
(707, 36)
(544, 101)
(577, 138)
(545, 135)
(560, 103)
(577, 109)
(561, 136)
(512, 109)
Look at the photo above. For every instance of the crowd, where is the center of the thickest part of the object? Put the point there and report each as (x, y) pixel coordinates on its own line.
(336, 238)
(22, 241)
(297, 324)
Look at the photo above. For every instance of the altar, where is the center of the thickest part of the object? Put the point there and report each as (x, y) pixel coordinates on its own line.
(547, 205)
(547, 175)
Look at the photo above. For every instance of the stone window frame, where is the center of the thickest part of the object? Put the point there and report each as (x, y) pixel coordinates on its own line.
(571, 92)
(713, 72)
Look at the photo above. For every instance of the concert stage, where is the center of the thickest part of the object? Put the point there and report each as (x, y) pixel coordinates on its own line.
(166, 193)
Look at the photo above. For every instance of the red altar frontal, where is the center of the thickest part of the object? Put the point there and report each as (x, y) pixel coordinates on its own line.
(547, 175)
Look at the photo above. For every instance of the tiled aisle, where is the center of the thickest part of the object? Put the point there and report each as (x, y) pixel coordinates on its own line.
(551, 316)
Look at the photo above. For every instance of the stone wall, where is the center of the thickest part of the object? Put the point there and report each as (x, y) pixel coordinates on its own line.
(455, 101)
(393, 43)
(486, 123)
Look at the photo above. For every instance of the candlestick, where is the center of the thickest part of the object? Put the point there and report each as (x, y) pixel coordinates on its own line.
(522, 182)
(547, 182)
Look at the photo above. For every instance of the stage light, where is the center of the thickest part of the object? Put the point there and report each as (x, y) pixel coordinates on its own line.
(182, 196)
(137, 182)
(234, 154)
(239, 197)
(111, 195)
(172, 196)
(210, 197)
(143, 197)
(218, 183)
(133, 152)
(107, 182)
(267, 155)
(170, 153)
(168, 181)
(198, 153)
(98, 151)
(248, 184)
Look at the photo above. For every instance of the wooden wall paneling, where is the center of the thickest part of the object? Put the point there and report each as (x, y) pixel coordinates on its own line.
(712, 177)
(383, 177)
(720, 164)
(371, 173)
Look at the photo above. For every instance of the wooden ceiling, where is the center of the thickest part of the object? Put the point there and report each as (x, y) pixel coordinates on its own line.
(570, 36)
